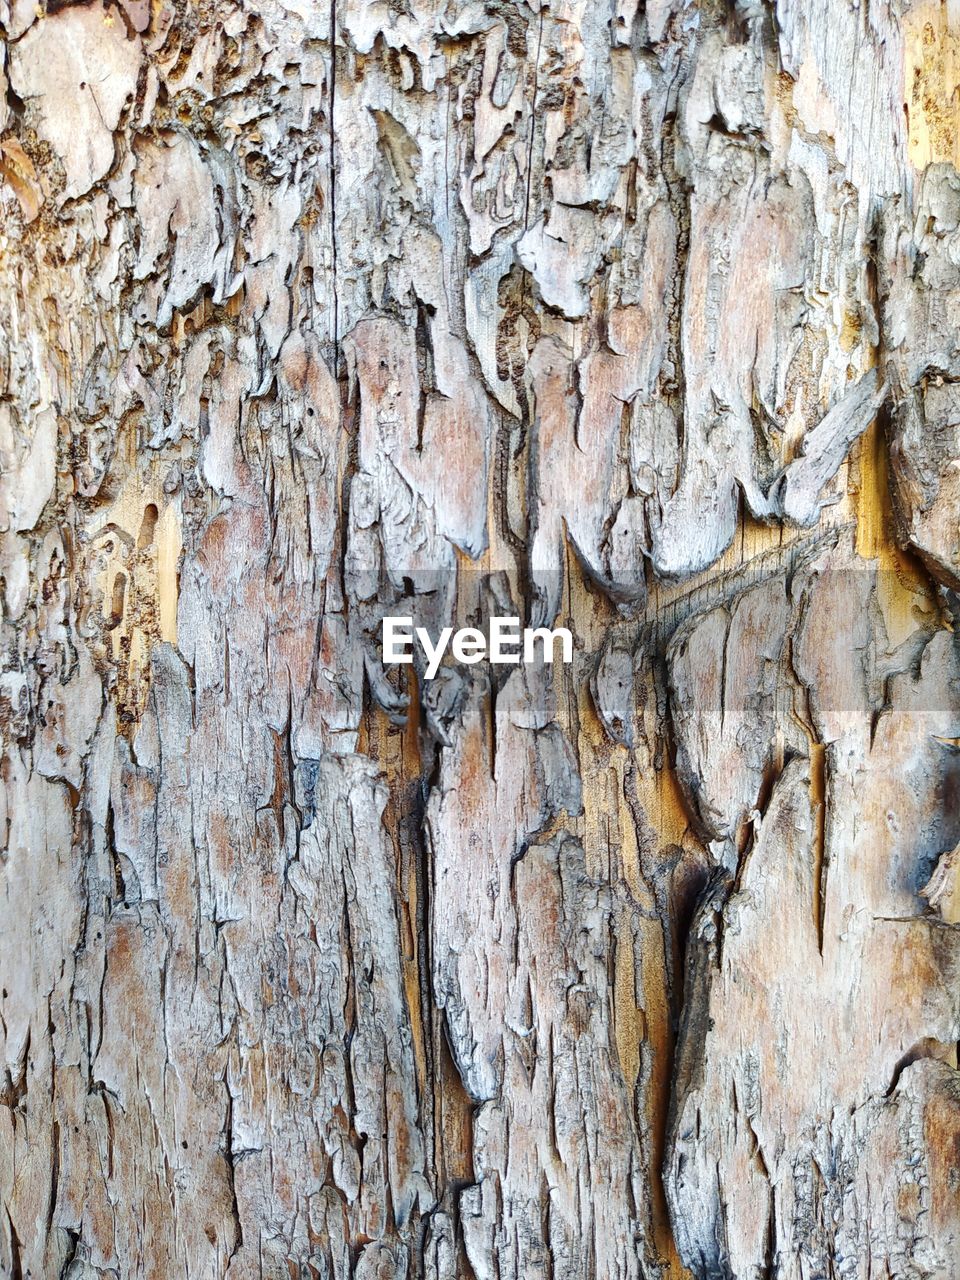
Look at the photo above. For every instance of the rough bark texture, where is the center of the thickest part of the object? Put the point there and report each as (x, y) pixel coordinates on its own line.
(639, 318)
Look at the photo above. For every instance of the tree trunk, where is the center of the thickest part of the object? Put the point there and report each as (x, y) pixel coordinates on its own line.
(635, 318)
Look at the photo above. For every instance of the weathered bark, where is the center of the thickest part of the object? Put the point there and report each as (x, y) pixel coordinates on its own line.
(643, 319)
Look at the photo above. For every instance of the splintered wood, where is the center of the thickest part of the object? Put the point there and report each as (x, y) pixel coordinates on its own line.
(637, 319)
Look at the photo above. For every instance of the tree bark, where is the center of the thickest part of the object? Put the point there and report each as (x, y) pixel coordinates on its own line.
(635, 318)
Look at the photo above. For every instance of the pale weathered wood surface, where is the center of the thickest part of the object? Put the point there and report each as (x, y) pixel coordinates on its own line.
(641, 318)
